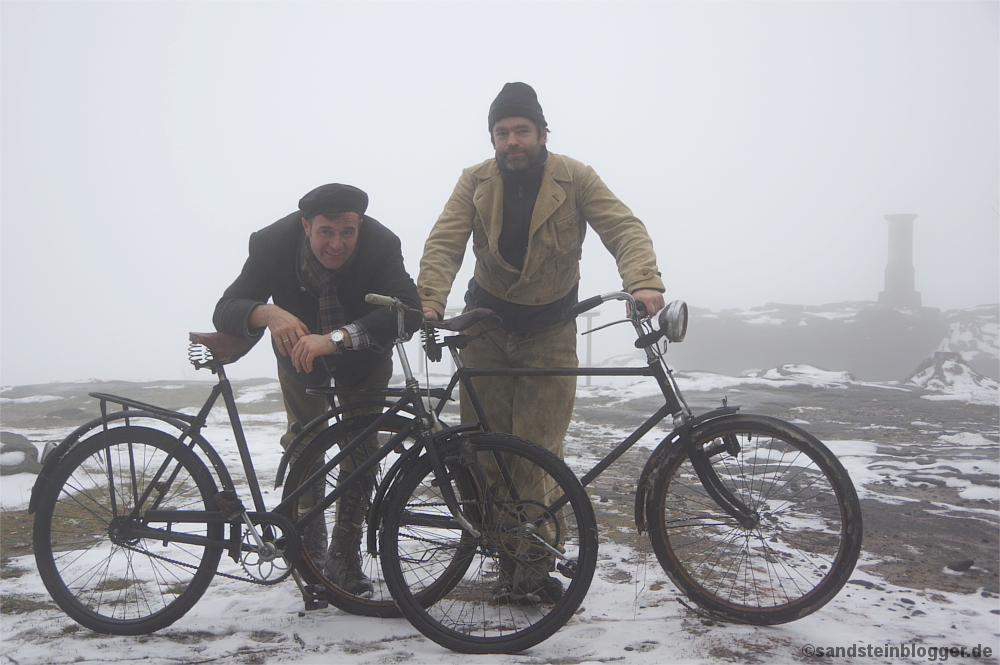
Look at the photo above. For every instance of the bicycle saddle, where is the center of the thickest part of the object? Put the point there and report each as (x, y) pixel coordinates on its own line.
(225, 348)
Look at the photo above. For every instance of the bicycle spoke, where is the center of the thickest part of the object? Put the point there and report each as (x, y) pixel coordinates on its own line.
(801, 537)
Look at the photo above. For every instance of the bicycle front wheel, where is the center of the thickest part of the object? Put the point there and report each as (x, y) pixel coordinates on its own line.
(376, 602)
(791, 547)
(88, 556)
(520, 575)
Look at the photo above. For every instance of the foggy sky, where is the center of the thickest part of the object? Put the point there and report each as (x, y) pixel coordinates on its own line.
(760, 142)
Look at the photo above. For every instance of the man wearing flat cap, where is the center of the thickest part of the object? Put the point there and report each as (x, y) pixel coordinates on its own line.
(316, 265)
(527, 211)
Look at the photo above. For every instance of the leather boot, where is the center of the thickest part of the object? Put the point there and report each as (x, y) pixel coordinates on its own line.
(314, 542)
(314, 534)
(343, 565)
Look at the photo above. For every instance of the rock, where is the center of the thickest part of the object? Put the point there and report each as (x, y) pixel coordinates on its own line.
(17, 443)
(13, 438)
(961, 566)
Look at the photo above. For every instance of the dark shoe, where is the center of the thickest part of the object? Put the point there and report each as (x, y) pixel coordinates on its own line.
(343, 565)
(524, 583)
(542, 591)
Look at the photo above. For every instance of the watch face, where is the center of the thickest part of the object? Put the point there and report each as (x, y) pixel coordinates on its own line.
(337, 336)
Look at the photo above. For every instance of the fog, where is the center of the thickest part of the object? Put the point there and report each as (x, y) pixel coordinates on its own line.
(760, 142)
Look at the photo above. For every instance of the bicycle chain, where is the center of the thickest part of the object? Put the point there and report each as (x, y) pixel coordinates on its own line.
(193, 567)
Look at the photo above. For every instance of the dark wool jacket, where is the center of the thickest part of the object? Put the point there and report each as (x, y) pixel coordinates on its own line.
(271, 272)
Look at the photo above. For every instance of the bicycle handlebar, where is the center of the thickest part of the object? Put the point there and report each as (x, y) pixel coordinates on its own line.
(585, 305)
(387, 301)
(672, 320)
(594, 301)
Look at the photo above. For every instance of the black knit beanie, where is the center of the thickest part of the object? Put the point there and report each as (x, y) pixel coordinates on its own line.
(516, 100)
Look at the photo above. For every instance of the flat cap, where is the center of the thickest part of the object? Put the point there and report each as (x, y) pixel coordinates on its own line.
(332, 198)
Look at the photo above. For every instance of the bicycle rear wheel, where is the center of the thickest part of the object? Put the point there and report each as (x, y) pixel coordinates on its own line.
(328, 443)
(503, 593)
(800, 542)
(99, 573)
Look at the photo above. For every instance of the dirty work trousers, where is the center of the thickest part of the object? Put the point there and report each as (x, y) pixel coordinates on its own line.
(536, 408)
(302, 408)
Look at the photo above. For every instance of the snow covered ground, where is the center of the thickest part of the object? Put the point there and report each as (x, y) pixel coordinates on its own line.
(632, 614)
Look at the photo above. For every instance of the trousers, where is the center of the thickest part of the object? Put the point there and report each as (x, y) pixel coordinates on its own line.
(536, 408)
(302, 408)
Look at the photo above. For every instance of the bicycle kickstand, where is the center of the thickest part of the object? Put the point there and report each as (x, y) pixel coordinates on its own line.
(313, 595)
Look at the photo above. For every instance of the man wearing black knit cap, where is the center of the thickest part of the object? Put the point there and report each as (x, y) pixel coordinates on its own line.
(317, 264)
(527, 211)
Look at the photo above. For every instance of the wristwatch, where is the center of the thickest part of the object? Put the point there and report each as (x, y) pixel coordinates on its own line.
(337, 337)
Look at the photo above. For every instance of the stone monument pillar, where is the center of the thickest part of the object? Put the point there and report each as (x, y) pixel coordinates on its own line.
(899, 289)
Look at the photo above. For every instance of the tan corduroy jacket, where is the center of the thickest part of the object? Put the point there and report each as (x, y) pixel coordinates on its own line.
(571, 196)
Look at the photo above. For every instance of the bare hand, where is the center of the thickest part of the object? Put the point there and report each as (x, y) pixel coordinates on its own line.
(651, 299)
(310, 347)
(285, 327)
(431, 315)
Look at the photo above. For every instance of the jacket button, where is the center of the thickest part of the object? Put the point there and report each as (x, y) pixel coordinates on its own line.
(537, 300)
(302, 288)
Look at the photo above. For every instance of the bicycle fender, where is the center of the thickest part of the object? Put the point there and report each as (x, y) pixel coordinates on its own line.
(313, 427)
(655, 461)
(375, 509)
(394, 473)
(56, 455)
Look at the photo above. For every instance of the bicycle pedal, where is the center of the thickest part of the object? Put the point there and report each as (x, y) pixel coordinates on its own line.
(229, 505)
(314, 596)
(567, 569)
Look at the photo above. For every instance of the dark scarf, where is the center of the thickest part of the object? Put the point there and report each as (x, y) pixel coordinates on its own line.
(321, 282)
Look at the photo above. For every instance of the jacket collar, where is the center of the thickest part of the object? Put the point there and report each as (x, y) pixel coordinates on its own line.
(488, 200)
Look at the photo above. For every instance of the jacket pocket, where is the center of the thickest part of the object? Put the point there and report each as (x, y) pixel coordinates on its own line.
(568, 233)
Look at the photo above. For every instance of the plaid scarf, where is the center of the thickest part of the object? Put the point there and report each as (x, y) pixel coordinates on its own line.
(320, 282)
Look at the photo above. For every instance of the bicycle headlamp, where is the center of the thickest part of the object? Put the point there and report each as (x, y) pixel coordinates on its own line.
(673, 320)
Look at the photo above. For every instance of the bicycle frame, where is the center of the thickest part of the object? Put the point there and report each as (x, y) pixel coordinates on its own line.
(424, 427)
(684, 421)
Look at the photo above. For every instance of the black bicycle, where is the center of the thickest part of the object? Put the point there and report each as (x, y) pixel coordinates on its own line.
(134, 510)
(753, 518)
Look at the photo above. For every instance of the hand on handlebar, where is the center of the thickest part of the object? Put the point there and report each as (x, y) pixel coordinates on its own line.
(651, 299)
(431, 315)
(308, 349)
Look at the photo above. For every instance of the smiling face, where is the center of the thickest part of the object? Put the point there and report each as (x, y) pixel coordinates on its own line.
(333, 237)
(517, 142)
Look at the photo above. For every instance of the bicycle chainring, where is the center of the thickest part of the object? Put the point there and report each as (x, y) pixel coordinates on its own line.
(275, 560)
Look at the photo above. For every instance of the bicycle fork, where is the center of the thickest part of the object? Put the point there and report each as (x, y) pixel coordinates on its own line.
(701, 460)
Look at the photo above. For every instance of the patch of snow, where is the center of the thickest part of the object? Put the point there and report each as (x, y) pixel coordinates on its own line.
(29, 400)
(257, 393)
(968, 439)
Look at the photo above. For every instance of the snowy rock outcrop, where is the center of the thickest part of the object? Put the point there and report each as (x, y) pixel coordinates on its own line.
(975, 335)
(947, 372)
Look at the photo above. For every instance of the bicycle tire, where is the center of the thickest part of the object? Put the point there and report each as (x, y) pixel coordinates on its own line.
(806, 533)
(327, 443)
(420, 539)
(101, 579)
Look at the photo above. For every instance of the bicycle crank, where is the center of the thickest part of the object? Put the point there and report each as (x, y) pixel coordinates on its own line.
(270, 547)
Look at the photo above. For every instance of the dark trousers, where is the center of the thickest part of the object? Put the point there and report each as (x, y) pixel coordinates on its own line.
(301, 407)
